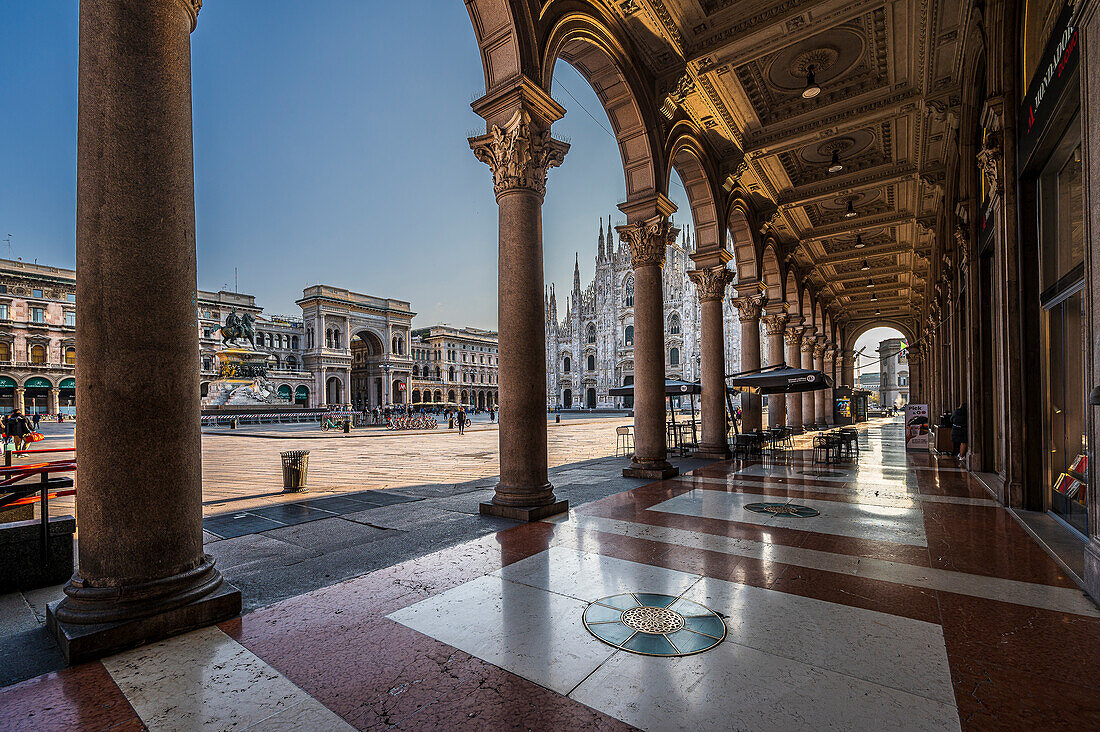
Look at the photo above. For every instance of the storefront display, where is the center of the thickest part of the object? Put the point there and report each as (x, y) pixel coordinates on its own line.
(916, 427)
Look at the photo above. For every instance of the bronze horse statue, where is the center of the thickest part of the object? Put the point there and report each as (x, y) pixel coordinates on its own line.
(238, 328)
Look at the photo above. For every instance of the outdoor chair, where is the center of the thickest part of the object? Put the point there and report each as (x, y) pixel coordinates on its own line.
(624, 440)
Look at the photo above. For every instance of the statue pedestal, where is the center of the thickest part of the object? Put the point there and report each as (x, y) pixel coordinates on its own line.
(243, 380)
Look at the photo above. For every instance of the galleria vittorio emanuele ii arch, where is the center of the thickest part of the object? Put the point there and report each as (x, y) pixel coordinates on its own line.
(847, 165)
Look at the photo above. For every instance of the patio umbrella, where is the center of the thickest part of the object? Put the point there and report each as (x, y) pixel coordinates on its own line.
(780, 379)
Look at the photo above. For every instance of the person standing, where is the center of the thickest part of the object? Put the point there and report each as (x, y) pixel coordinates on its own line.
(461, 420)
(959, 430)
(36, 418)
(492, 415)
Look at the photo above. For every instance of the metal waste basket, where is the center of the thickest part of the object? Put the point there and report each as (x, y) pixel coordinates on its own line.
(295, 463)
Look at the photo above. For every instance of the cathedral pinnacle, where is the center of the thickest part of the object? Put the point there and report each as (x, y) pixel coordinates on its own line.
(577, 274)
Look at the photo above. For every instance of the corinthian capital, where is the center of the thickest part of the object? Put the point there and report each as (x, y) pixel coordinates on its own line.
(647, 240)
(711, 283)
(749, 308)
(520, 154)
(819, 350)
(192, 7)
(793, 336)
(775, 323)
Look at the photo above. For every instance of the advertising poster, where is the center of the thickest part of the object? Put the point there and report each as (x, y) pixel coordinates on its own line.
(916, 427)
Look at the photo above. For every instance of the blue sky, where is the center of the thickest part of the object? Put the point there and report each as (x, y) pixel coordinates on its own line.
(330, 146)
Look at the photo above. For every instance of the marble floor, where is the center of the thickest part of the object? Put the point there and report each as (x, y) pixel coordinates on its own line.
(911, 601)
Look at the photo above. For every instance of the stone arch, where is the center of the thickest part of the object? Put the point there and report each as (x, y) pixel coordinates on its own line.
(587, 43)
(741, 223)
(769, 272)
(505, 32)
(687, 155)
(792, 294)
(853, 333)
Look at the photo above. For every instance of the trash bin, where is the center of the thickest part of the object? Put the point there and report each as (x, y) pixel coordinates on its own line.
(295, 463)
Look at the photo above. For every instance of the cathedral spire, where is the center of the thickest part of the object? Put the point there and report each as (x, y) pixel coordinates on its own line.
(577, 274)
(600, 252)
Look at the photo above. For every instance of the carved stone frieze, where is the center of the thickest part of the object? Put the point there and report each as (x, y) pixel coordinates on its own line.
(520, 154)
(711, 283)
(647, 241)
(989, 160)
(749, 308)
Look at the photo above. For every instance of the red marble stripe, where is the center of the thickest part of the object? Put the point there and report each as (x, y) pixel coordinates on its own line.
(986, 540)
(84, 697)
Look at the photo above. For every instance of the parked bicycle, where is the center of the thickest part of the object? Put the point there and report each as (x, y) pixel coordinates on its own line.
(412, 422)
(329, 423)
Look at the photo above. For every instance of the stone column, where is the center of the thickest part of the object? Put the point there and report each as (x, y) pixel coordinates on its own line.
(20, 403)
(749, 308)
(793, 338)
(519, 150)
(711, 285)
(143, 573)
(647, 240)
(808, 398)
(54, 404)
(775, 325)
(819, 395)
(848, 369)
(915, 375)
(830, 371)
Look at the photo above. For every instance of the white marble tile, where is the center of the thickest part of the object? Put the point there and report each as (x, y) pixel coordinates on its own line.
(309, 715)
(589, 576)
(201, 680)
(533, 633)
(1031, 594)
(881, 496)
(860, 521)
(884, 649)
(734, 687)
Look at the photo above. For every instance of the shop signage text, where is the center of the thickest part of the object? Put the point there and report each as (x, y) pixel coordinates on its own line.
(1058, 60)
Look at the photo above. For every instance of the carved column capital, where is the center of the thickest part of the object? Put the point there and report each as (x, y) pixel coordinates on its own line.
(647, 240)
(808, 345)
(192, 7)
(793, 336)
(711, 283)
(819, 349)
(775, 323)
(519, 154)
(749, 308)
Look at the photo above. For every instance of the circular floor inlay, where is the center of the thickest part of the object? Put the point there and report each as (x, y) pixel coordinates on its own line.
(783, 509)
(653, 619)
(654, 625)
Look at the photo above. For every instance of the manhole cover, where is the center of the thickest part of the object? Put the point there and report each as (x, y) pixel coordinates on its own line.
(783, 509)
(654, 625)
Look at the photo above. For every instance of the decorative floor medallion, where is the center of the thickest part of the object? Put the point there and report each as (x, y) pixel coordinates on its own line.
(783, 509)
(654, 625)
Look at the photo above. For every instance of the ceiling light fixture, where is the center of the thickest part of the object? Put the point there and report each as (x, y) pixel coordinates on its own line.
(835, 165)
(874, 297)
(859, 241)
(870, 282)
(877, 312)
(850, 211)
(866, 266)
(812, 89)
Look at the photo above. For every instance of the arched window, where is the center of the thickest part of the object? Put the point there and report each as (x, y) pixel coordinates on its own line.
(591, 362)
(335, 337)
(291, 363)
(628, 292)
(566, 365)
(451, 374)
(438, 373)
(674, 324)
(629, 335)
(674, 357)
(70, 356)
(393, 345)
(294, 342)
(328, 338)
(38, 354)
(590, 333)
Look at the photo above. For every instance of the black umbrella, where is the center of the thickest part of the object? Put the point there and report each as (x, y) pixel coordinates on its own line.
(780, 379)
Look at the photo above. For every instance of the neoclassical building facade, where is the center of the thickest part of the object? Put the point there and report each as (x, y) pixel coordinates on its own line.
(591, 350)
(454, 366)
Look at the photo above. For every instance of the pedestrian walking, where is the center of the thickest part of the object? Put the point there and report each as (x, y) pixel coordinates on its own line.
(36, 419)
(461, 420)
(492, 415)
(959, 431)
(18, 427)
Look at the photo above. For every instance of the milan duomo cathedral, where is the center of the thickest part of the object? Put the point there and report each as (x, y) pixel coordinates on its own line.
(592, 349)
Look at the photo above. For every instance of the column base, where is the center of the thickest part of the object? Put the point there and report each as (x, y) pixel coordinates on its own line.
(651, 470)
(85, 642)
(1092, 569)
(713, 452)
(523, 513)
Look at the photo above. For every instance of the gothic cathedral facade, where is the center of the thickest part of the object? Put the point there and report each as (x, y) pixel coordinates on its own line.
(591, 350)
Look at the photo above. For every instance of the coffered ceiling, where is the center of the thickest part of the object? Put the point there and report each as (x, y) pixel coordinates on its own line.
(887, 73)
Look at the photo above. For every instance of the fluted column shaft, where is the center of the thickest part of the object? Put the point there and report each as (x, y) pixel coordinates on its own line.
(519, 154)
(711, 285)
(793, 339)
(647, 241)
(138, 443)
(750, 308)
(775, 325)
(809, 401)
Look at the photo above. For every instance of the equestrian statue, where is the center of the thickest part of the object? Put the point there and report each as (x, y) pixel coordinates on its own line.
(238, 328)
